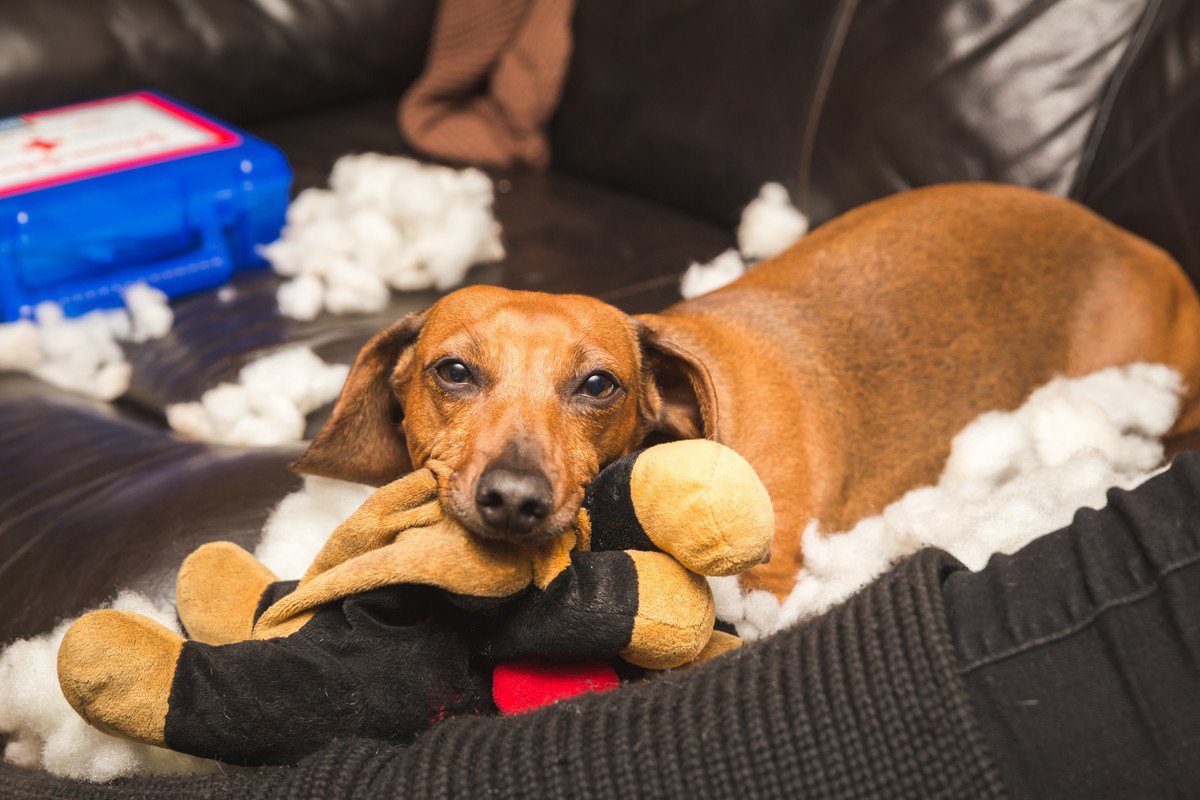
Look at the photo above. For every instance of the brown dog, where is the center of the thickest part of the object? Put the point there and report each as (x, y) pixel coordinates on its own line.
(840, 369)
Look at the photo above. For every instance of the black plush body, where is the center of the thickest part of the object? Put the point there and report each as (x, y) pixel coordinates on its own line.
(389, 663)
(372, 665)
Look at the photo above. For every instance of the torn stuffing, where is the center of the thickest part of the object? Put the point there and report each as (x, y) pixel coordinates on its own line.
(704, 278)
(44, 732)
(83, 354)
(267, 405)
(300, 524)
(1011, 477)
(385, 223)
(770, 224)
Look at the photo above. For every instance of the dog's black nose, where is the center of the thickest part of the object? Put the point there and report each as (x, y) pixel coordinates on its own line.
(513, 502)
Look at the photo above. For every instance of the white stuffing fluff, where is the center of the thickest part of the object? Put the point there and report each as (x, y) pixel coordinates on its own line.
(150, 315)
(44, 732)
(82, 354)
(770, 224)
(704, 278)
(267, 405)
(385, 223)
(300, 524)
(1010, 478)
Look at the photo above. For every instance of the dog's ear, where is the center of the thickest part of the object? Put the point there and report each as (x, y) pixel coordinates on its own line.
(363, 440)
(678, 397)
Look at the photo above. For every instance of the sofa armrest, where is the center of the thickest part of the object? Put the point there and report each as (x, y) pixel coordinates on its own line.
(94, 499)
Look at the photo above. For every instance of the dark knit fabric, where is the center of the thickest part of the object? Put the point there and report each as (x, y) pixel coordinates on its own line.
(863, 702)
(1081, 651)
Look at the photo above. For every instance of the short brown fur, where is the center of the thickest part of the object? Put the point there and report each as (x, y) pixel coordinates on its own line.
(840, 369)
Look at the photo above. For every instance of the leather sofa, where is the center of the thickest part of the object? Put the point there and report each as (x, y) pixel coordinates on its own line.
(673, 114)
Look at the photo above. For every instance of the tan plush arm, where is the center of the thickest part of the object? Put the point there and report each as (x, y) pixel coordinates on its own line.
(703, 503)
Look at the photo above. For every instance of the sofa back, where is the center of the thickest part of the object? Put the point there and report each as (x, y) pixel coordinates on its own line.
(843, 101)
(244, 60)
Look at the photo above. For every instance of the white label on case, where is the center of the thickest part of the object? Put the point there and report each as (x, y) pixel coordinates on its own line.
(61, 145)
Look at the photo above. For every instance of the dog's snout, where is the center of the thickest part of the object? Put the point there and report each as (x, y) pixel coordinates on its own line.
(513, 502)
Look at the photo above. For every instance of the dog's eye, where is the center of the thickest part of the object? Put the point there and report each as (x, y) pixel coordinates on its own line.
(598, 385)
(454, 372)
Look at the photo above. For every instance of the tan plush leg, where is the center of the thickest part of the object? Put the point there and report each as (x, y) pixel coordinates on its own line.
(115, 669)
(675, 613)
(217, 592)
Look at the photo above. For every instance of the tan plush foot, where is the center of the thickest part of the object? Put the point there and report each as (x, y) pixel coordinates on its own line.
(217, 592)
(718, 645)
(115, 669)
(675, 613)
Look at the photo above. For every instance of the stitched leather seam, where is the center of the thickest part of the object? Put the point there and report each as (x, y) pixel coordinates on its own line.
(1108, 101)
(831, 54)
(1182, 103)
(1174, 206)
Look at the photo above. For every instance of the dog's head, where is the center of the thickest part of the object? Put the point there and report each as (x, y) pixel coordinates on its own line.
(523, 396)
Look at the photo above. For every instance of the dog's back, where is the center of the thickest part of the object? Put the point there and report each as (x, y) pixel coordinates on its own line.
(845, 365)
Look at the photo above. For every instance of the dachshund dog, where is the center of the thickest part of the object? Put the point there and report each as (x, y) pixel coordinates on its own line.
(840, 369)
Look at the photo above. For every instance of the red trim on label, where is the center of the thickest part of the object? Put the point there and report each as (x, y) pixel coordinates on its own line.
(222, 138)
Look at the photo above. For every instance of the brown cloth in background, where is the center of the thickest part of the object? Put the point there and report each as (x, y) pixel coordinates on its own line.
(491, 82)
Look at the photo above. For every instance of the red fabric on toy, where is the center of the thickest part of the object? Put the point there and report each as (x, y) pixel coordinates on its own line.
(526, 684)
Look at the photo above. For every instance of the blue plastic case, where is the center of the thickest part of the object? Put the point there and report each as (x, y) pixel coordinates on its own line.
(132, 188)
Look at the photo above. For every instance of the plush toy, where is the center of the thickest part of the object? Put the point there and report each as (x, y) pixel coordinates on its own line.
(404, 618)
